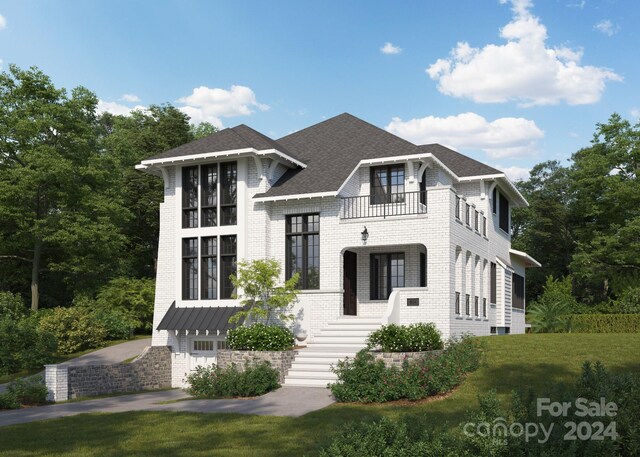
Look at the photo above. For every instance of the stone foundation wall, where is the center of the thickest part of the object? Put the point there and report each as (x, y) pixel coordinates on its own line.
(151, 370)
(395, 359)
(280, 360)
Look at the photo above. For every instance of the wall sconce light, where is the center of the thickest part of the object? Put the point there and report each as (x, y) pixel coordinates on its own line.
(365, 234)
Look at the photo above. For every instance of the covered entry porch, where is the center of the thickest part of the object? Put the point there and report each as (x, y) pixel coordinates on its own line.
(371, 273)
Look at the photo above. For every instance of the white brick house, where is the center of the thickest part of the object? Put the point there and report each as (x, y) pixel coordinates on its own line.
(436, 223)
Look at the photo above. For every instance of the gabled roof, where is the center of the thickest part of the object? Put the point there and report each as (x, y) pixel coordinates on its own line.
(331, 150)
(239, 137)
(460, 164)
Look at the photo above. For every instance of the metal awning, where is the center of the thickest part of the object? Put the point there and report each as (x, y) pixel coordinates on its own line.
(209, 319)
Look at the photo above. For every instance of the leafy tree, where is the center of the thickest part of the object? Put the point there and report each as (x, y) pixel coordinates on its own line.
(262, 297)
(130, 139)
(551, 312)
(133, 297)
(58, 208)
(202, 130)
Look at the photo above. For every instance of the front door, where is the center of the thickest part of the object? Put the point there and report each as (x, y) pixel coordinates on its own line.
(350, 285)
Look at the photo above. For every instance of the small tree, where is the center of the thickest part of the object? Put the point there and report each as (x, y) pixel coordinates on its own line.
(261, 296)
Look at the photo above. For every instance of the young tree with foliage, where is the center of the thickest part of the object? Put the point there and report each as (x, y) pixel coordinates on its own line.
(202, 130)
(261, 296)
(58, 207)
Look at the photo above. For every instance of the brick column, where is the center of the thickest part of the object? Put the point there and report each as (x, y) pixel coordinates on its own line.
(57, 380)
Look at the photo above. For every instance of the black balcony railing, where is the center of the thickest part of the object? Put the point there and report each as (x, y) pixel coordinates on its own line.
(384, 205)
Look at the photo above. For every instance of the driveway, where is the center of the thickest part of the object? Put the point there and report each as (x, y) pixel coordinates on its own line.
(106, 356)
(286, 401)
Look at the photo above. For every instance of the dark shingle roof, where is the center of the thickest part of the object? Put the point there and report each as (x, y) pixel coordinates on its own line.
(199, 318)
(239, 137)
(460, 164)
(331, 150)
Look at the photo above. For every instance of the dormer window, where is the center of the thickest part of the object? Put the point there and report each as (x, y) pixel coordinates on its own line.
(387, 184)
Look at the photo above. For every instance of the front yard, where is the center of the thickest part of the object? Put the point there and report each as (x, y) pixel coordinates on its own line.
(511, 362)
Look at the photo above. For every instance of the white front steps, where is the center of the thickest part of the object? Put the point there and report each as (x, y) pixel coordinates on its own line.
(341, 338)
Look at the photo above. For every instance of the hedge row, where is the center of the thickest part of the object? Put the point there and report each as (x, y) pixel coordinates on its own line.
(605, 323)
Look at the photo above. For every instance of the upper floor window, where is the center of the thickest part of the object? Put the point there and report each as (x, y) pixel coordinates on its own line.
(209, 200)
(493, 295)
(228, 252)
(303, 249)
(458, 207)
(494, 201)
(484, 225)
(387, 184)
(228, 205)
(190, 197)
(467, 217)
(503, 204)
(209, 268)
(476, 224)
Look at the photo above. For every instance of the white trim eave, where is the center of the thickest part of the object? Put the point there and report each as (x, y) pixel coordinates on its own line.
(503, 264)
(518, 197)
(533, 262)
(295, 197)
(146, 164)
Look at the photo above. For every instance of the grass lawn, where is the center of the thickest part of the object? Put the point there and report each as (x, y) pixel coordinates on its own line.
(511, 362)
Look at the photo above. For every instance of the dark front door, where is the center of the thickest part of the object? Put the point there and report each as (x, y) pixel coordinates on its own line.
(350, 285)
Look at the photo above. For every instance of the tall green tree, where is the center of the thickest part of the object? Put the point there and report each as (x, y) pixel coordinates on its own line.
(202, 130)
(128, 140)
(58, 209)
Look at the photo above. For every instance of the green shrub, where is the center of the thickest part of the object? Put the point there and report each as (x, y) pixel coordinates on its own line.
(23, 346)
(29, 391)
(260, 337)
(11, 305)
(215, 382)
(605, 323)
(551, 311)
(364, 379)
(75, 328)
(132, 296)
(8, 401)
(406, 338)
(118, 324)
(629, 301)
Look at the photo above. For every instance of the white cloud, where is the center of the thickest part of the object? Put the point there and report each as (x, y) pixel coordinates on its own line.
(523, 69)
(514, 173)
(131, 98)
(117, 108)
(207, 104)
(503, 137)
(3, 22)
(635, 112)
(579, 4)
(389, 48)
(606, 26)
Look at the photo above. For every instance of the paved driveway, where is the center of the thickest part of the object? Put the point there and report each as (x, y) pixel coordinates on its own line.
(286, 401)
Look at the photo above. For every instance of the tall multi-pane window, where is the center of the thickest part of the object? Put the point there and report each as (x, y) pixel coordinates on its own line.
(190, 197)
(190, 268)
(228, 251)
(458, 207)
(387, 184)
(209, 261)
(457, 302)
(387, 273)
(484, 225)
(503, 205)
(229, 189)
(477, 220)
(303, 249)
(467, 216)
(467, 304)
(493, 296)
(484, 307)
(209, 195)
(476, 306)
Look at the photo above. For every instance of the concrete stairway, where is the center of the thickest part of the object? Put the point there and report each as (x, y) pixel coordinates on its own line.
(339, 339)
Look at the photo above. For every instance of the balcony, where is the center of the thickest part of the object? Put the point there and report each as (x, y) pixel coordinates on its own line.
(384, 205)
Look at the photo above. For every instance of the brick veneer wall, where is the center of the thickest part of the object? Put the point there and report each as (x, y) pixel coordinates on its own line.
(280, 360)
(395, 359)
(152, 370)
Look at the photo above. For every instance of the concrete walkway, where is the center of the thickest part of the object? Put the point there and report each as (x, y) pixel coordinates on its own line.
(286, 401)
(105, 356)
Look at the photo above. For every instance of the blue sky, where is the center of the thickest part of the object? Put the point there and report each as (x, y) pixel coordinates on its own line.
(510, 83)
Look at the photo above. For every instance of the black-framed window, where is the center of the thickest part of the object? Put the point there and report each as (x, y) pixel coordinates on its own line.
(467, 304)
(517, 291)
(229, 190)
(387, 184)
(458, 207)
(423, 269)
(387, 273)
(190, 268)
(209, 195)
(493, 330)
(484, 225)
(303, 249)
(476, 306)
(493, 296)
(457, 302)
(209, 262)
(467, 217)
(228, 252)
(494, 200)
(477, 220)
(504, 212)
(484, 307)
(423, 188)
(189, 197)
